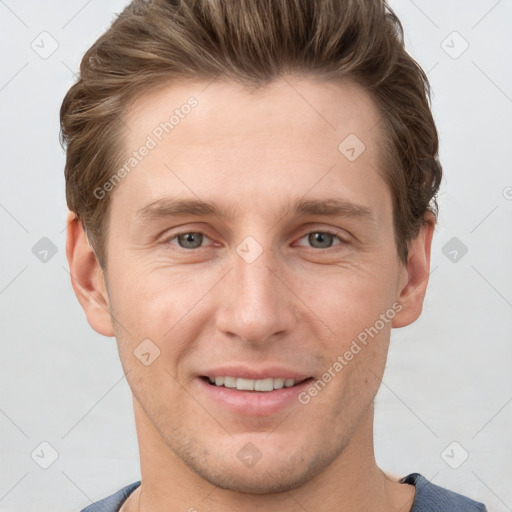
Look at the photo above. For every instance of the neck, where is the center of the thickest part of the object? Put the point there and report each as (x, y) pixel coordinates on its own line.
(352, 482)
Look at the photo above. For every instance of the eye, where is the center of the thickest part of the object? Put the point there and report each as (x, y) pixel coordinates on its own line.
(322, 239)
(188, 239)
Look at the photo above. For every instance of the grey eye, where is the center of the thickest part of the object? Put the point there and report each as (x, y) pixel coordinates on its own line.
(323, 239)
(190, 240)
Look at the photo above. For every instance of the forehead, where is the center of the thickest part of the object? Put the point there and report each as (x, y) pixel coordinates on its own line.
(308, 103)
(296, 137)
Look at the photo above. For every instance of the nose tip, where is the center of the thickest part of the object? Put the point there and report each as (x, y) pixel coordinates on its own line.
(255, 305)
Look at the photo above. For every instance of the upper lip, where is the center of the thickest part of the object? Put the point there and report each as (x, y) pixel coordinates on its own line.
(246, 372)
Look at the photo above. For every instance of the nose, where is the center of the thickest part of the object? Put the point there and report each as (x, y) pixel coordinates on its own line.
(256, 304)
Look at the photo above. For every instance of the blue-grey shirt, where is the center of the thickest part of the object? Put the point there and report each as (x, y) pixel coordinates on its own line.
(429, 498)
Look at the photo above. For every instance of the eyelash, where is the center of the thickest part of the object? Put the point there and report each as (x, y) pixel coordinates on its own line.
(323, 231)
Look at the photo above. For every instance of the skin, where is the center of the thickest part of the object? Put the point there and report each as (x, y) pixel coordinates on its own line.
(293, 306)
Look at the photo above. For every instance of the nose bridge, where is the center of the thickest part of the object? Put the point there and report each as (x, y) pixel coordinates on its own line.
(256, 305)
(254, 281)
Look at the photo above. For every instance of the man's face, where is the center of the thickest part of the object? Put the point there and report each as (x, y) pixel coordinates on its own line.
(260, 292)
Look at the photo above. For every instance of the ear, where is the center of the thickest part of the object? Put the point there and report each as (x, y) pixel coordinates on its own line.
(87, 277)
(415, 276)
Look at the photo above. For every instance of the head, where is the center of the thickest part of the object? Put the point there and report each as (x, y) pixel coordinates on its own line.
(299, 140)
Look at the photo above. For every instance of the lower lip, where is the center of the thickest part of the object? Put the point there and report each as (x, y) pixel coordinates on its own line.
(253, 403)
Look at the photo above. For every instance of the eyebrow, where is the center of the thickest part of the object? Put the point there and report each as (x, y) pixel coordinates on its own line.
(330, 207)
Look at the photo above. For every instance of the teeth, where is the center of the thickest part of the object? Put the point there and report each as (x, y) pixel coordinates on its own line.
(264, 384)
(245, 384)
(252, 384)
(229, 382)
(278, 383)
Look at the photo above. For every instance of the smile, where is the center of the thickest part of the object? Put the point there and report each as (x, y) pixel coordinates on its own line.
(251, 397)
(262, 385)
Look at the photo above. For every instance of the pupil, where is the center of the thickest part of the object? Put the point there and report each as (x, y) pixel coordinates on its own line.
(320, 237)
(191, 238)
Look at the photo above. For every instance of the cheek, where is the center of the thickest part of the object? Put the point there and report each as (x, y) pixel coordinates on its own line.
(171, 305)
(346, 300)
(162, 306)
(356, 307)
(144, 297)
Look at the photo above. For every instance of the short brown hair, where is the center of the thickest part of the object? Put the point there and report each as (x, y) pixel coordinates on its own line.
(252, 42)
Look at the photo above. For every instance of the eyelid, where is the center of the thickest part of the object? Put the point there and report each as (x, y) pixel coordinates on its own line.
(170, 238)
(331, 231)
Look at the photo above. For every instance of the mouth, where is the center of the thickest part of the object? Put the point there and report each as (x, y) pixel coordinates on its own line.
(257, 392)
(254, 385)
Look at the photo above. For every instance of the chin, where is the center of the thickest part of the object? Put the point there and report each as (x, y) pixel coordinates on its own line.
(262, 480)
(275, 469)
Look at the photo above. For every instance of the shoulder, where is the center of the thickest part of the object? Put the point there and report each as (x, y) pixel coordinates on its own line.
(433, 498)
(113, 502)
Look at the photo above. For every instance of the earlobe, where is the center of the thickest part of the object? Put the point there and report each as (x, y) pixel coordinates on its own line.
(417, 272)
(87, 277)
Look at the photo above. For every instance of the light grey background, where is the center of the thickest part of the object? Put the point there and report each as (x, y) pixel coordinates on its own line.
(448, 377)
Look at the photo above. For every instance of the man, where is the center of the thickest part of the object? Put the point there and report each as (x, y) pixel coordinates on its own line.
(252, 192)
